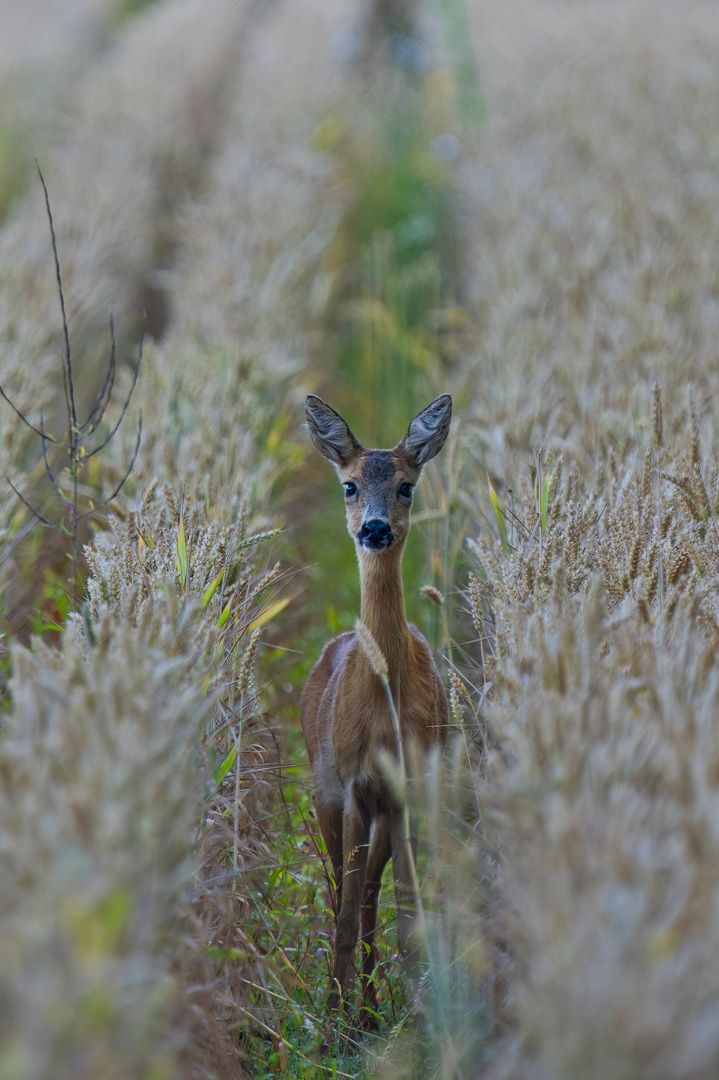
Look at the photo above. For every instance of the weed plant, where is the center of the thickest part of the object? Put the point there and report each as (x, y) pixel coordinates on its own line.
(75, 447)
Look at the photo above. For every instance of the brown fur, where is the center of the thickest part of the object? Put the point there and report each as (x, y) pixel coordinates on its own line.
(345, 713)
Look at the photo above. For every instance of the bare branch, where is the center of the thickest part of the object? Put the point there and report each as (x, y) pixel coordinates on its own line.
(70, 431)
(26, 503)
(9, 545)
(101, 402)
(65, 502)
(125, 406)
(120, 486)
(24, 418)
(69, 390)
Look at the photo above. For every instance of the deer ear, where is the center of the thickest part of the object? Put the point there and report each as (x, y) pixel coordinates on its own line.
(329, 432)
(427, 433)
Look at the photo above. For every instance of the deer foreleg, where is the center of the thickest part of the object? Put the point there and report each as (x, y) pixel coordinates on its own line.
(379, 854)
(355, 843)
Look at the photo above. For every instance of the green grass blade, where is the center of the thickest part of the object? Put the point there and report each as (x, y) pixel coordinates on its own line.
(225, 614)
(182, 555)
(211, 590)
(499, 516)
(224, 768)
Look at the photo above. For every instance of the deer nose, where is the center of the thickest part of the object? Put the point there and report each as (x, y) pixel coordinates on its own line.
(375, 534)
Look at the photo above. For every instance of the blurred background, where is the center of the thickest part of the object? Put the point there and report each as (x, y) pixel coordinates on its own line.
(274, 197)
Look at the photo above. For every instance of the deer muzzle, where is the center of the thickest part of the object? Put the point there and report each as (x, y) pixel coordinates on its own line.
(375, 535)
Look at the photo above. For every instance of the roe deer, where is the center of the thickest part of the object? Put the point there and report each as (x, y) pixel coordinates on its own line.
(346, 717)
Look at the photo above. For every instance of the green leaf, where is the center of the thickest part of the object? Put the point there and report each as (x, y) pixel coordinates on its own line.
(182, 555)
(226, 765)
(211, 590)
(544, 502)
(225, 614)
(269, 613)
(216, 952)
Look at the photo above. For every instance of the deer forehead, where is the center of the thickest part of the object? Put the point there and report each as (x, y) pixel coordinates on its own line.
(376, 468)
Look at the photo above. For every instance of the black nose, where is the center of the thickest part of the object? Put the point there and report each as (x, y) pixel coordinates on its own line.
(377, 533)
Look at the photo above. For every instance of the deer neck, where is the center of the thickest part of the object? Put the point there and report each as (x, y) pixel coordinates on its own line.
(382, 606)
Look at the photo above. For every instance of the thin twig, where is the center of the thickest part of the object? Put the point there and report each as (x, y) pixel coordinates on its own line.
(24, 500)
(65, 502)
(12, 541)
(102, 445)
(69, 390)
(107, 387)
(120, 486)
(24, 418)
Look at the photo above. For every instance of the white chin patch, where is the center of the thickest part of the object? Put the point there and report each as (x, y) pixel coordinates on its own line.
(374, 548)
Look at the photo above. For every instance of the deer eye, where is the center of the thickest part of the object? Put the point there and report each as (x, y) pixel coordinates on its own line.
(405, 490)
(350, 489)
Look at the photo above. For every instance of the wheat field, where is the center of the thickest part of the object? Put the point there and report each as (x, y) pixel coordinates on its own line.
(378, 202)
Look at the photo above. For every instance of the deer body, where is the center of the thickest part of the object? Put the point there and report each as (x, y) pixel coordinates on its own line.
(346, 717)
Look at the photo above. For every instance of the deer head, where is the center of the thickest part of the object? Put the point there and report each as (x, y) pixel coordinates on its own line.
(378, 484)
